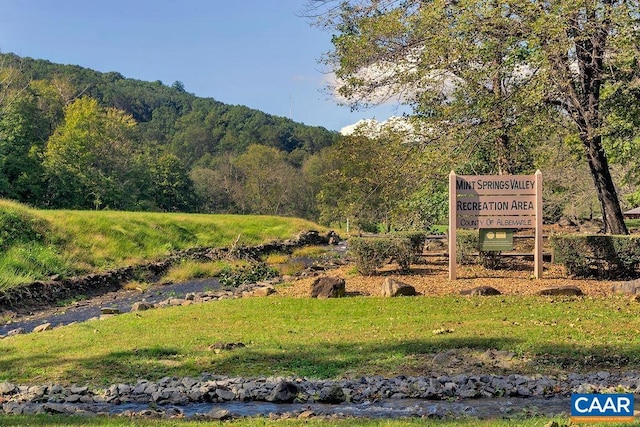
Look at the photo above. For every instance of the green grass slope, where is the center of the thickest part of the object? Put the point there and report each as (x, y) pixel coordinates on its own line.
(36, 244)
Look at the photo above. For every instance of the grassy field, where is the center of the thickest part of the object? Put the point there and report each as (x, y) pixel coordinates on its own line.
(330, 338)
(36, 244)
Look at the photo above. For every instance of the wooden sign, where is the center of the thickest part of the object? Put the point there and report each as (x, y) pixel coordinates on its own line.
(495, 202)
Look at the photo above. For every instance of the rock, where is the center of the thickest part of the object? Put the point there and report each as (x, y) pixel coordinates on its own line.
(225, 394)
(79, 390)
(306, 414)
(37, 391)
(630, 287)
(333, 394)
(445, 358)
(394, 288)
(6, 388)
(263, 291)
(57, 408)
(109, 310)
(141, 306)
(572, 291)
(481, 291)
(17, 331)
(219, 414)
(328, 287)
(42, 328)
(283, 392)
(225, 346)
(74, 398)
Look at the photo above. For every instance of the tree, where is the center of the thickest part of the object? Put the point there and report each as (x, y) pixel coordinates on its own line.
(584, 51)
(374, 176)
(171, 187)
(216, 184)
(492, 67)
(267, 181)
(24, 130)
(90, 158)
(178, 86)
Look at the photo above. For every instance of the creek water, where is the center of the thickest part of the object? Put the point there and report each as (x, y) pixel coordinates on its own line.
(84, 310)
(484, 408)
(122, 300)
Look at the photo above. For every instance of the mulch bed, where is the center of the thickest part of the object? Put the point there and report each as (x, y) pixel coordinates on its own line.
(432, 278)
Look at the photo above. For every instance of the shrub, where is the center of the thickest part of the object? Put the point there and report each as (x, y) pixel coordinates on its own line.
(602, 256)
(370, 253)
(416, 239)
(403, 252)
(245, 274)
(466, 246)
(18, 227)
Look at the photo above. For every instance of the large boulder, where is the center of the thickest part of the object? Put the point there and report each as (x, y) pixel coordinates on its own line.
(630, 287)
(395, 288)
(328, 287)
(283, 392)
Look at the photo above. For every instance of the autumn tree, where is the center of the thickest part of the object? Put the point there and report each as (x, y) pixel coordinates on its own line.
(491, 69)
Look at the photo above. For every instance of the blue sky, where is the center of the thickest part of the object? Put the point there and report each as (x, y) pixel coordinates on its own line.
(257, 53)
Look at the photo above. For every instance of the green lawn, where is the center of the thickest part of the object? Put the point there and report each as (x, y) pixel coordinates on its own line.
(327, 338)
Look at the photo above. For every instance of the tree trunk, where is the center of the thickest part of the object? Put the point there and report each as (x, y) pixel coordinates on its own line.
(607, 194)
(505, 164)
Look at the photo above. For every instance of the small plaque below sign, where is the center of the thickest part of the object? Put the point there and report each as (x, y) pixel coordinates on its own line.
(492, 239)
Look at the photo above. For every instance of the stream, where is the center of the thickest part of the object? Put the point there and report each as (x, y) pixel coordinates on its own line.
(482, 408)
(83, 310)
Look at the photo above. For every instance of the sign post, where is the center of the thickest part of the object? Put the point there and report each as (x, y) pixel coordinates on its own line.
(498, 202)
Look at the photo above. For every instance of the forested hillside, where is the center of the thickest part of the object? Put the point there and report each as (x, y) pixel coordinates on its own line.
(75, 138)
(71, 137)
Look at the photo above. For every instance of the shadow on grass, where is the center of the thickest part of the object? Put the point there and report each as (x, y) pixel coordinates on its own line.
(289, 359)
(588, 359)
(318, 361)
(340, 360)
